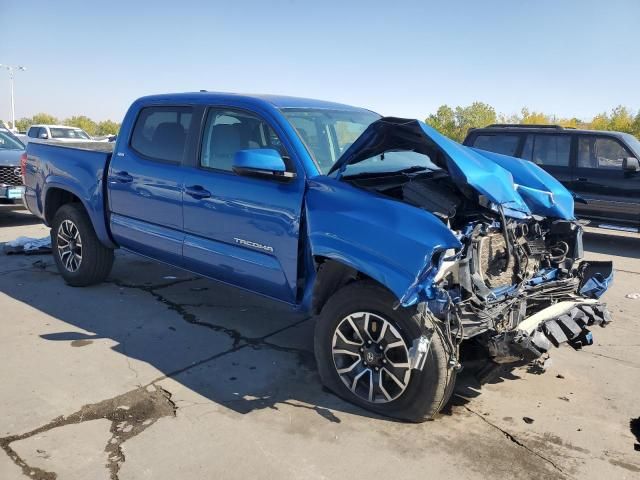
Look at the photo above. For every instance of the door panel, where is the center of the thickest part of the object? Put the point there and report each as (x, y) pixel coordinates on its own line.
(145, 184)
(241, 230)
(551, 153)
(613, 195)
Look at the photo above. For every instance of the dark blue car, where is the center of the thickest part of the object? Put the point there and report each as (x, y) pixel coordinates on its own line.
(405, 245)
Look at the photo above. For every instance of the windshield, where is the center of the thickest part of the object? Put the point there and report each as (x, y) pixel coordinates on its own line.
(392, 161)
(633, 142)
(74, 133)
(9, 142)
(328, 133)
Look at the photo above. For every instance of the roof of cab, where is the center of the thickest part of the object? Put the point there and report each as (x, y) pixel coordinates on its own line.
(552, 129)
(277, 101)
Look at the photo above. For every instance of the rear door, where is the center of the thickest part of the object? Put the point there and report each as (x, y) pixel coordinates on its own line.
(551, 152)
(613, 195)
(238, 229)
(145, 183)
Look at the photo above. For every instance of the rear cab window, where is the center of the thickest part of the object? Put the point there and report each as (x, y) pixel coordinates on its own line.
(506, 144)
(33, 132)
(160, 133)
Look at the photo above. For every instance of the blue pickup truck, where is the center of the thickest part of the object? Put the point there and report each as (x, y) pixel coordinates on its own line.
(407, 247)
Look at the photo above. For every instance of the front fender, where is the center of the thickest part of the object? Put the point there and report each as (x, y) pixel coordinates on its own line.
(392, 242)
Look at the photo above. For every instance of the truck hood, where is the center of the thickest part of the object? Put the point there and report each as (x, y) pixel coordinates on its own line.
(520, 187)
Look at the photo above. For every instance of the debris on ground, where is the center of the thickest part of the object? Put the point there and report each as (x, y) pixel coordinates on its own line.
(633, 296)
(28, 246)
(528, 420)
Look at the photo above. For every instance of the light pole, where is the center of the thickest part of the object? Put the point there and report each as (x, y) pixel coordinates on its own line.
(12, 69)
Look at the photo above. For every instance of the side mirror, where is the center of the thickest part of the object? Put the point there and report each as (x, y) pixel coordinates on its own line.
(630, 164)
(261, 162)
(43, 136)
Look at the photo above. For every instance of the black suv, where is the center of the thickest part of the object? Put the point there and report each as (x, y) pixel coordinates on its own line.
(601, 167)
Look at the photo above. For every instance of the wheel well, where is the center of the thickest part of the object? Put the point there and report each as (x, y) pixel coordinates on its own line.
(331, 276)
(57, 197)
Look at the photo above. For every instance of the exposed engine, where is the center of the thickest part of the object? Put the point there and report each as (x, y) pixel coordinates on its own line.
(507, 271)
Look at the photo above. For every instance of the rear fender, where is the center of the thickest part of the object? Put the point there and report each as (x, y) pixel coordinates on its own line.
(91, 199)
(394, 243)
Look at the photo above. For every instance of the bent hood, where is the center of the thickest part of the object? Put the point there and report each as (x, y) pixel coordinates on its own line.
(520, 187)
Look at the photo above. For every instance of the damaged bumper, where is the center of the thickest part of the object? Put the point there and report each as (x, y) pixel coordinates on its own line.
(563, 322)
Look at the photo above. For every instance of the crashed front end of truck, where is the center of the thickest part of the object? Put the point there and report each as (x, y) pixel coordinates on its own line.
(520, 287)
(516, 282)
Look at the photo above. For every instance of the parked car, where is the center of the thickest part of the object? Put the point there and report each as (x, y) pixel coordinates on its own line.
(11, 150)
(401, 242)
(600, 167)
(57, 133)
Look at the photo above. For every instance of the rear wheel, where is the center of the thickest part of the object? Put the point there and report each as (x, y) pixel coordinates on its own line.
(362, 349)
(81, 259)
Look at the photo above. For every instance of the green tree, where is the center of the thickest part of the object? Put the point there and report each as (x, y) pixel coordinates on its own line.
(534, 118)
(444, 120)
(23, 124)
(621, 120)
(600, 122)
(107, 127)
(636, 125)
(83, 122)
(476, 115)
(455, 123)
(44, 118)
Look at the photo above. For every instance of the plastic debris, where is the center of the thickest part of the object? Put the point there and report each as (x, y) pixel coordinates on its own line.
(633, 296)
(28, 246)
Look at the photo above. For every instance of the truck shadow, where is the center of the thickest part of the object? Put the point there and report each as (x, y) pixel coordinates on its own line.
(16, 216)
(233, 348)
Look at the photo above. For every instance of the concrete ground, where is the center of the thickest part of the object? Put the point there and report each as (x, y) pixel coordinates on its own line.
(159, 374)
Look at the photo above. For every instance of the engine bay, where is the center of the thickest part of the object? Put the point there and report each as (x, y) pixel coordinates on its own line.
(508, 269)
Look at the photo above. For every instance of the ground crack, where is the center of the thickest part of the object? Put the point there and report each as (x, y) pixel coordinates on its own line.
(130, 414)
(512, 438)
(305, 357)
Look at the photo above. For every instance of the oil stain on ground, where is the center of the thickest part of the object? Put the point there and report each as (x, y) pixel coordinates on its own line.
(130, 414)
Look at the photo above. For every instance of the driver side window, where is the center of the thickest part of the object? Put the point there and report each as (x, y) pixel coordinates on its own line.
(229, 131)
(600, 152)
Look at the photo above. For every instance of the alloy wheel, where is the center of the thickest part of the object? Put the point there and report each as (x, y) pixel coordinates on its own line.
(371, 357)
(69, 245)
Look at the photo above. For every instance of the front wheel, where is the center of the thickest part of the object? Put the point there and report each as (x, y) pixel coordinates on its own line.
(362, 349)
(81, 259)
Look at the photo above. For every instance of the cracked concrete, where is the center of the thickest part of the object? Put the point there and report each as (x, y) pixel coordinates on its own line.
(244, 394)
(65, 446)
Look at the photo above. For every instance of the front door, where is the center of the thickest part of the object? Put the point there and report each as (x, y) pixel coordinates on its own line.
(612, 194)
(145, 184)
(238, 229)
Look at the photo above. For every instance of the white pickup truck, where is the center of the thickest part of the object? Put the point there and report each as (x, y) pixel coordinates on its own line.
(57, 133)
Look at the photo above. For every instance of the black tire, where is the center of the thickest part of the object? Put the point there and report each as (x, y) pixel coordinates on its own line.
(96, 259)
(427, 391)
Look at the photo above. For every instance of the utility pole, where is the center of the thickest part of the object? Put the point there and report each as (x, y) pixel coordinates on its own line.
(12, 69)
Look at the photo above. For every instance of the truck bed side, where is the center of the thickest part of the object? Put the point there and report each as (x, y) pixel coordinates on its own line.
(57, 174)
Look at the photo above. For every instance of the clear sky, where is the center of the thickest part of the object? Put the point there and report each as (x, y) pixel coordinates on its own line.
(398, 57)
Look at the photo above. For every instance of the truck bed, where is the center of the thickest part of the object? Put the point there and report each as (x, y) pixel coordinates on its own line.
(78, 169)
(106, 147)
